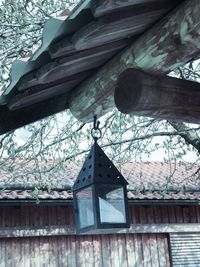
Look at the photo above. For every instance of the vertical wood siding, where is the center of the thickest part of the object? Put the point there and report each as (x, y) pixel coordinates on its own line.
(164, 214)
(132, 250)
(120, 250)
(63, 215)
(35, 215)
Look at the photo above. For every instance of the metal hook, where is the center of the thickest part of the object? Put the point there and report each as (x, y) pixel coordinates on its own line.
(96, 123)
(95, 131)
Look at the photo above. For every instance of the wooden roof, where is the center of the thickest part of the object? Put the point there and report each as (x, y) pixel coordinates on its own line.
(74, 49)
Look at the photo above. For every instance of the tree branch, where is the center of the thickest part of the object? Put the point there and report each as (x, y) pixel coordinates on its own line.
(185, 133)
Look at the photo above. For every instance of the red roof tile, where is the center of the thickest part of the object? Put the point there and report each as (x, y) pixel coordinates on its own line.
(147, 180)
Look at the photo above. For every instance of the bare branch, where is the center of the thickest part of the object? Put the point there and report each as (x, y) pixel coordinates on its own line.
(186, 133)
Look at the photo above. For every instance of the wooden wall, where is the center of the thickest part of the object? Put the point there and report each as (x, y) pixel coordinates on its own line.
(120, 250)
(132, 250)
(164, 214)
(63, 215)
(12, 216)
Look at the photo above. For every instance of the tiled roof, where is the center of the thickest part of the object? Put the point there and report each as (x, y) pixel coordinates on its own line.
(147, 180)
(22, 194)
(67, 195)
(161, 173)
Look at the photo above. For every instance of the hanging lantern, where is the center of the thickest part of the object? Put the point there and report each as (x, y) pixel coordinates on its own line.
(99, 193)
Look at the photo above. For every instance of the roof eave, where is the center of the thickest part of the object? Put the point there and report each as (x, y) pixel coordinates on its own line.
(69, 202)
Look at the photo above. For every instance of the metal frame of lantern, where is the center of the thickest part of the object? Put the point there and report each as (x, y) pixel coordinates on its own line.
(99, 193)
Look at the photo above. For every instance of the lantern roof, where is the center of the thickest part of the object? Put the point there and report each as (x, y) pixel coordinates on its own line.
(98, 169)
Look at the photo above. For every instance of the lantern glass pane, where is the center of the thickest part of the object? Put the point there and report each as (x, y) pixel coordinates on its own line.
(85, 207)
(111, 204)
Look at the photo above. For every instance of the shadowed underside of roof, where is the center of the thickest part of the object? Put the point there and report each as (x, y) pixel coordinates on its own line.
(73, 49)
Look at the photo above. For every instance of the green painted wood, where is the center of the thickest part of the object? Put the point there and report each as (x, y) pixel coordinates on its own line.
(170, 43)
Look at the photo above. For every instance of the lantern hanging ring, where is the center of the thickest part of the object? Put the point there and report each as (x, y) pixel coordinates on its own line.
(95, 131)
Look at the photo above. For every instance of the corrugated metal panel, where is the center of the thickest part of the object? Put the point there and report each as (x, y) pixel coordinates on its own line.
(185, 249)
(54, 29)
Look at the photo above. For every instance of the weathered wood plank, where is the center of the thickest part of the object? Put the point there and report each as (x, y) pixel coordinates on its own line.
(193, 215)
(68, 68)
(130, 250)
(55, 251)
(153, 250)
(10, 120)
(62, 48)
(8, 253)
(105, 7)
(138, 250)
(167, 45)
(150, 215)
(70, 212)
(114, 254)
(157, 214)
(161, 250)
(97, 253)
(186, 215)
(80, 62)
(105, 251)
(157, 96)
(146, 250)
(143, 214)
(69, 230)
(172, 214)
(32, 253)
(134, 214)
(72, 243)
(37, 94)
(33, 86)
(165, 214)
(51, 258)
(167, 254)
(81, 252)
(179, 214)
(103, 31)
(63, 251)
(197, 213)
(36, 221)
(123, 258)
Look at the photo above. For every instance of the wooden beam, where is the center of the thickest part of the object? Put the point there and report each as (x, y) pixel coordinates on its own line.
(79, 62)
(104, 7)
(57, 230)
(157, 96)
(43, 92)
(69, 67)
(170, 43)
(163, 228)
(11, 120)
(36, 231)
(125, 25)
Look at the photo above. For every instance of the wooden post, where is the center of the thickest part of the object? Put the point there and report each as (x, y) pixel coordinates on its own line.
(157, 96)
(172, 42)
